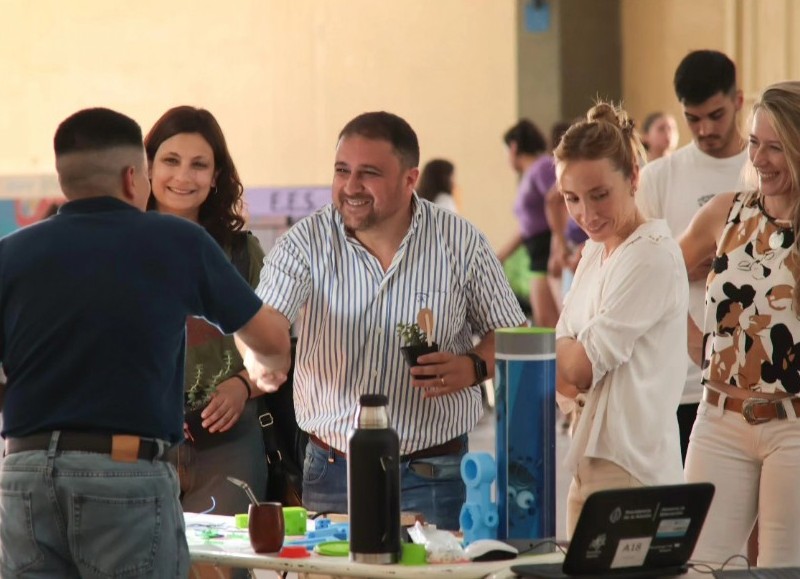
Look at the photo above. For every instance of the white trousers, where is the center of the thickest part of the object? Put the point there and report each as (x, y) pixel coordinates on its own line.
(594, 474)
(756, 472)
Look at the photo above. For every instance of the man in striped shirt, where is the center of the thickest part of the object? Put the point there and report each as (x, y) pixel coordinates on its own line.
(349, 274)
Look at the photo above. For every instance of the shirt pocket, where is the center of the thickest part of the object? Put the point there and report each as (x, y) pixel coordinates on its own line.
(448, 309)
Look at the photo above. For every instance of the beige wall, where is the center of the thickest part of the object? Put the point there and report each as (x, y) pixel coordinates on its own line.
(282, 77)
(762, 37)
(656, 35)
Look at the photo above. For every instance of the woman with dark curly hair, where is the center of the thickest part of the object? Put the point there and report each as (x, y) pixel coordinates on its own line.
(193, 176)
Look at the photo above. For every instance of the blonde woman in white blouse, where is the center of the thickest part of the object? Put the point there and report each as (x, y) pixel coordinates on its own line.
(621, 333)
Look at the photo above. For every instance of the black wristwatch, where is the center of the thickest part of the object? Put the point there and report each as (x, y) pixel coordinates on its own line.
(481, 373)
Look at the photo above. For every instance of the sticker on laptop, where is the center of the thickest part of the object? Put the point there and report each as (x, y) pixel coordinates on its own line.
(671, 528)
(596, 547)
(631, 552)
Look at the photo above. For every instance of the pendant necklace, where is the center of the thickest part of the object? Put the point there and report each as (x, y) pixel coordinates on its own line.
(776, 240)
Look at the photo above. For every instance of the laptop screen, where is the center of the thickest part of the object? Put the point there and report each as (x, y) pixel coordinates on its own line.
(647, 528)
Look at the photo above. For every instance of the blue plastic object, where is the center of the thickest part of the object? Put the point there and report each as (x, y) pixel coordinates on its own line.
(479, 517)
(340, 530)
(525, 369)
(308, 543)
(322, 523)
(324, 534)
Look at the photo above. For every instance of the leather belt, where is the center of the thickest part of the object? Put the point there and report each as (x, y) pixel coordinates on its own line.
(125, 448)
(452, 446)
(754, 410)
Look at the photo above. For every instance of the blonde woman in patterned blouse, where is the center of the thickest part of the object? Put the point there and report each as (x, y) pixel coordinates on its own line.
(746, 439)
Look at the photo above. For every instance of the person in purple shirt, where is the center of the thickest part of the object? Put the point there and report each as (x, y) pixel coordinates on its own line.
(528, 156)
(568, 237)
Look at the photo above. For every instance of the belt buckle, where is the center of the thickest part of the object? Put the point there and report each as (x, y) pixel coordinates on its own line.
(748, 410)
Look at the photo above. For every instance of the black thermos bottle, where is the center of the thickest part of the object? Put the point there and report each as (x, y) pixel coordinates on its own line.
(373, 484)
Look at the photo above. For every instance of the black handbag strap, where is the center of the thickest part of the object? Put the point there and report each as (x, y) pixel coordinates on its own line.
(240, 254)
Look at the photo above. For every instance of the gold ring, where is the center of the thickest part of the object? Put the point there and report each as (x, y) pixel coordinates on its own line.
(441, 379)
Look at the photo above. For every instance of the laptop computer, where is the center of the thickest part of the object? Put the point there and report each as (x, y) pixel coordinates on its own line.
(632, 533)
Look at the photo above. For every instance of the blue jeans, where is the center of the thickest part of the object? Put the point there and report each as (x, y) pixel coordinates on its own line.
(431, 486)
(81, 514)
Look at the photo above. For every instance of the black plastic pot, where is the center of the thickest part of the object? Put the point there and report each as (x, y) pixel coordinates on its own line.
(411, 353)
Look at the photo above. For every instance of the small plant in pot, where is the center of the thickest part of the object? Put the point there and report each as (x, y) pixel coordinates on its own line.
(415, 344)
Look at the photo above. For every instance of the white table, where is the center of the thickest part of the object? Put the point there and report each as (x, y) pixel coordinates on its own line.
(232, 549)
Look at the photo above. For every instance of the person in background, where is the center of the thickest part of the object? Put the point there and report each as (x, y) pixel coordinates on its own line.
(94, 398)
(629, 298)
(436, 184)
(659, 135)
(528, 156)
(675, 187)
(193, 176)
(746, 439)
(358, 268)
(567, 236)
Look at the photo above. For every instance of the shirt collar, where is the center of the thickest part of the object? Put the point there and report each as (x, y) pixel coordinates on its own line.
(95, 205)
(417, 212)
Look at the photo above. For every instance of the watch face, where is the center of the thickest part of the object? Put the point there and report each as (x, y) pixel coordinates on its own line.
(480, 367)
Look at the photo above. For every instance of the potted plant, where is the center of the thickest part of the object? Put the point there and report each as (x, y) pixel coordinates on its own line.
(198, 394)
(415, 344)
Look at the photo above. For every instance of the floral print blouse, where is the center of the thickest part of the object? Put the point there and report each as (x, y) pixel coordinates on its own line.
(751, 330)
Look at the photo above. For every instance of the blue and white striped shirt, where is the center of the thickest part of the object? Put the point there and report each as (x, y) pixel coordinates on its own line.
(347, 343)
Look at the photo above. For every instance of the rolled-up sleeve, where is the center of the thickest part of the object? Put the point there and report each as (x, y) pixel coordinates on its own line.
(285, 282)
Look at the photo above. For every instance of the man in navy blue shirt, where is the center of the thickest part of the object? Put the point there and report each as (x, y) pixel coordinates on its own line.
(93, 304)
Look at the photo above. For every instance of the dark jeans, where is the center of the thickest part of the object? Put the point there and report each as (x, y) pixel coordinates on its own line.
(686, 415)
(431, 486)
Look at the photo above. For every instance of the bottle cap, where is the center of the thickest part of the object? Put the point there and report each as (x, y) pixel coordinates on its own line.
(294, 552)
(413, 554)
(241, 520)
(373, 400)
(333, 548)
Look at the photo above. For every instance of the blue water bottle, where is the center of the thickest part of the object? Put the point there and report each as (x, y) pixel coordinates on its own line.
(525, 371)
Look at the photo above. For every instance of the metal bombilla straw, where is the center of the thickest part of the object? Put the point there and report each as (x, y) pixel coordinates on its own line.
(246, 488)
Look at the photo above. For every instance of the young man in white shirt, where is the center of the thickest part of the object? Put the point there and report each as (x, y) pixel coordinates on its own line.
(676, 186)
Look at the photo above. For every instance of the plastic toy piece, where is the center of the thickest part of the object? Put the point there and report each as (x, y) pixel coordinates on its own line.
(479, 517)
(242, 520)
(339, 531)
(333, 549)
(323, 523)
(294, 552)
(413, 554)
(295, 520)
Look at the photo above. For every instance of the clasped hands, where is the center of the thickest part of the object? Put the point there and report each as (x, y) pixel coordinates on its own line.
(267, 373)
(442, 373)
